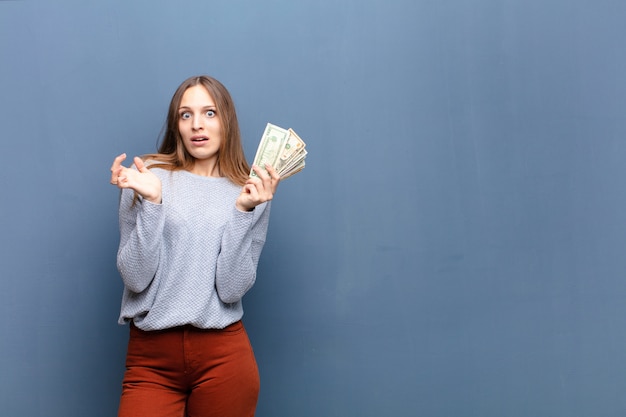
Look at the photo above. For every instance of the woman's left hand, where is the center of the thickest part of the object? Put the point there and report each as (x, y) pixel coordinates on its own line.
(259, 189)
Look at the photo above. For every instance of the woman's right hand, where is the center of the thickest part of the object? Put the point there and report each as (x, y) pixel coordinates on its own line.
(142, 180)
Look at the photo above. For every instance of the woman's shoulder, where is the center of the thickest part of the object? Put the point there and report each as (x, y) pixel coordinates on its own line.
(156, 159)
(157, 163)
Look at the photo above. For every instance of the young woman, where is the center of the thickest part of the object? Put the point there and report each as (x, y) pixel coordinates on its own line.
(192, 227)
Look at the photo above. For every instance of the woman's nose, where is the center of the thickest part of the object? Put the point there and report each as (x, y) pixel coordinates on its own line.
(196, 123)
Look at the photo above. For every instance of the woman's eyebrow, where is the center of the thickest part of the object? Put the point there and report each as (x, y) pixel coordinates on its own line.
(210, 106)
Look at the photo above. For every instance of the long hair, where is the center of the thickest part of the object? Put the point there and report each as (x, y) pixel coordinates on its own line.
(172, 154)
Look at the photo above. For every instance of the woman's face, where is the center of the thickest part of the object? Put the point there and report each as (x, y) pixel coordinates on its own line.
(199, 125)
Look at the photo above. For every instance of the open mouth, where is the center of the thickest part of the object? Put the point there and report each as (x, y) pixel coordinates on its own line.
(203, 139)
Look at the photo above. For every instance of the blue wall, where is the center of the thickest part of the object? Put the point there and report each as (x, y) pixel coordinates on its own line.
(453, 248)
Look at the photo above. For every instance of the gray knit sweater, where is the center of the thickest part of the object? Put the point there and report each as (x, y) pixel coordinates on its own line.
(190, 259)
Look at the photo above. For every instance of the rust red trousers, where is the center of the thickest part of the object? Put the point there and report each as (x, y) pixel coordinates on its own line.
(190, 372)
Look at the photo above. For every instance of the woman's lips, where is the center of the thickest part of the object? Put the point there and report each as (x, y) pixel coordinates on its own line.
(199, 140)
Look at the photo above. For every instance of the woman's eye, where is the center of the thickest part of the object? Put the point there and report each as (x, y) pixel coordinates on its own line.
(210, 113)
(185, 115)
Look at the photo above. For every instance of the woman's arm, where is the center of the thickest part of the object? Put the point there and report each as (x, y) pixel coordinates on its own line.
(141, 231)
(244, 236)
(141, 222)
(242, 243)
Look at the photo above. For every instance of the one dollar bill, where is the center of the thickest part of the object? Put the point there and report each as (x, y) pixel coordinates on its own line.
(283, 149)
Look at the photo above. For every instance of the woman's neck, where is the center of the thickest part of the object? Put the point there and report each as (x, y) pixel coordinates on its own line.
(207, 168)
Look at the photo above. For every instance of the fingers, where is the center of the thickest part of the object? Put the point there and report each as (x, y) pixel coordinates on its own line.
(264, 185)
(117, 167)
(251, 191)
(117, 162)
(141, 167)
(268, 176)
(273, 174)
(270, 181)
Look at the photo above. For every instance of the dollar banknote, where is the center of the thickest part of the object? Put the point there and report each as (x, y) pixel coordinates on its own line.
(281, 148)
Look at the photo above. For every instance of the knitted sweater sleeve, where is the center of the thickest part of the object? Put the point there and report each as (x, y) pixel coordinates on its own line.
(242, 243)
(141, 230)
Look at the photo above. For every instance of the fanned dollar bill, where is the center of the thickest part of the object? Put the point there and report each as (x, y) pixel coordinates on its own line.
(282, 149)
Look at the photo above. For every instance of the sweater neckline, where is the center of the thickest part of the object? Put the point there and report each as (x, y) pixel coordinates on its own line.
(202, 177)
